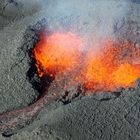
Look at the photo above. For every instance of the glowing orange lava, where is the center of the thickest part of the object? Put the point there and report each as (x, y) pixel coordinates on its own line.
(58, 52)
(117, 64)
(113, 67)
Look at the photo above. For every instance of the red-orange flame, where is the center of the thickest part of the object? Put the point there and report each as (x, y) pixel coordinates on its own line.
(117, 64)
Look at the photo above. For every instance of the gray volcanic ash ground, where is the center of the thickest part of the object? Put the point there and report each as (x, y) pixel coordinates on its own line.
(101, 116)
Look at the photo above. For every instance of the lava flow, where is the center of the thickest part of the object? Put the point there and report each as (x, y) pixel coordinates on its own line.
(116, 65)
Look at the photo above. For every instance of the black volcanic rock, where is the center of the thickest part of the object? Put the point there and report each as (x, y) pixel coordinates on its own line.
(138, 84)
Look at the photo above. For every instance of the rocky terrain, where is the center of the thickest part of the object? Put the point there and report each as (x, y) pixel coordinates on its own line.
(102, 116)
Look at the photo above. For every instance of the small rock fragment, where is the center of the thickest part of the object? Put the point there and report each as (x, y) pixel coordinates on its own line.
(138, 83)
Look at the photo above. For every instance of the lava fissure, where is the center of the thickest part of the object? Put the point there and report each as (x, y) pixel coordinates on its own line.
(114, 65)
(59, 61)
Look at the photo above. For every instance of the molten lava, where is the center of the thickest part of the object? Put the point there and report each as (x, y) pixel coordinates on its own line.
(57, 53)
(113, 67)
(117, 64)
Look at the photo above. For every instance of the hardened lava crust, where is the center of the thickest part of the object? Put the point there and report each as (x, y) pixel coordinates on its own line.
(71, 115)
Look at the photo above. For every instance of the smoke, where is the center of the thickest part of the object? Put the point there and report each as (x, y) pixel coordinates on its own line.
(109, 13)
(98, 13)
(91, 19)
(99, 18)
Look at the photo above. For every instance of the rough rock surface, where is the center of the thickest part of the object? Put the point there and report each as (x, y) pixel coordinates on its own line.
(94, 117)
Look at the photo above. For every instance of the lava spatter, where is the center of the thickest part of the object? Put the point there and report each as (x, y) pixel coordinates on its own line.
(112, 67)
